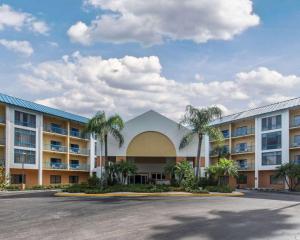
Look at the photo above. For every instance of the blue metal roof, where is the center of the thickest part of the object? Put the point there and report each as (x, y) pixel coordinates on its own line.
(291, 103)
(41, 108)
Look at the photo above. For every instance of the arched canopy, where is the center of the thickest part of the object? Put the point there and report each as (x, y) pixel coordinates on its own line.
(151, 144)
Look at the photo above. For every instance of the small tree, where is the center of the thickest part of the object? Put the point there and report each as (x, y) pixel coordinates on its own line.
(169, 169)
(3, 178)
(198, 120)
(291, 173)
(126, 169)
(183, 170)
(224, 168)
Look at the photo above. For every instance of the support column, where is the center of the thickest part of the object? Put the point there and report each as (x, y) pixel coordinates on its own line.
(40, 150)
(206, 151)
(257, 151)
(68, 145)
(92, 154)
(8, 146)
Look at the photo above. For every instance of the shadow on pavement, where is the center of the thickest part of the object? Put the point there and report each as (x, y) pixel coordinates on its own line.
(12, 195)
(250, 224)
(272, 196)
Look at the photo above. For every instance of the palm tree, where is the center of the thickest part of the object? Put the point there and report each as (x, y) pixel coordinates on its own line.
(224, 168)
(198, 120)
(102, 127)
(290, 172)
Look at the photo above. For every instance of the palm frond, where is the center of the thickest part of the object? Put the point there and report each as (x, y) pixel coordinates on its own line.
(186, 140)
(117, 135)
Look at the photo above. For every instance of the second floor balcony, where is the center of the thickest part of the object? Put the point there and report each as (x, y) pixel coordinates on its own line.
(295, 144)
(55, 129)
(79, 166)
(80, 151)
(245, 165)
(55, 165)
(55, 148)
(2, 141)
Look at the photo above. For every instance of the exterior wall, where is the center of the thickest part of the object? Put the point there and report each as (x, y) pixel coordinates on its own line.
(151, 144)
(31, 176)
(83, 176)
(264, 180)
(152, 121)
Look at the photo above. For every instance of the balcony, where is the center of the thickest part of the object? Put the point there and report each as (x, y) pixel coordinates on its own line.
(78, 134)
(55, 129)
(55, 165)
(2, 141)
(25, 123)
(295, 145)
(243, 132)
(82, 167)
(295, 124)
(245, 166)
(55, 148)
(2, 162)
(79, 151)
(219, 151)
(240, 150)
(2, 120)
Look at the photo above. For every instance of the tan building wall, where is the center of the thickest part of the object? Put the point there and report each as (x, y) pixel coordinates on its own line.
(31, 176)
(152, 144)
(83, 176)
(264, 180)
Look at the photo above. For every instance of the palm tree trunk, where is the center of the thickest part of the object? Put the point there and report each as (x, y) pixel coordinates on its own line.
(105, 148)
(198, 155)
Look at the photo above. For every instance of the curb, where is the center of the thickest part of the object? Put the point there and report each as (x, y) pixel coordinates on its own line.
(235, 194)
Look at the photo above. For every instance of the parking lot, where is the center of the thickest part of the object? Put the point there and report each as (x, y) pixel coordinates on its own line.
(254, 216)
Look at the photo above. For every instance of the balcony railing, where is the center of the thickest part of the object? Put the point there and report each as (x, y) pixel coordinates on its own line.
(55, 165)
(25, 123)
(2, 119)
(245, 166)
(2, 141)
(84, 167)
(295, 124)
(242, 149)
(82, 151)
(2, 162)
(219, 151)
(54, 129)
(55, 148)
(243, 132)
(295, 144)
(78, 134)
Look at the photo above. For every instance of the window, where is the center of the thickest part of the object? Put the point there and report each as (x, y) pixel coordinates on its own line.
(242, 164)
(241, 147)
(25, 119)
(75, 132)
(74, 148)
(73, 179)
(55, 163)
(17, 178)
(240, 131)
(225, 133)
(55, 179)
(74, 163)
(271, 158)
(296, 142)
(157, 176)
(271, 140)
(24, 156)
(270, 123)
(241, 179)
(274, 180)
(296, 121)
(24, 138)
(55, 145)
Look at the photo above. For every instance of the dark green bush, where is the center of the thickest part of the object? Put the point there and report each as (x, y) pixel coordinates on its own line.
(94, 182)
(204, 182)
(12, 188)
(221, 189)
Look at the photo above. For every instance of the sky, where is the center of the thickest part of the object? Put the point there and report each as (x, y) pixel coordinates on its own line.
(130, 56)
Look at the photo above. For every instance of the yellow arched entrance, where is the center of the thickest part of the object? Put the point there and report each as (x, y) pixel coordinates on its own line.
(151, 144)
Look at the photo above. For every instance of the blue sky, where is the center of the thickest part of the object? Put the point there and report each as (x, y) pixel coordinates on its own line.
(256, 66)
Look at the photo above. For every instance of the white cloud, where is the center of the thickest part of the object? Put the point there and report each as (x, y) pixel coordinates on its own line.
(18, 20)
(22, 47)
(131, 85)
(152, 22)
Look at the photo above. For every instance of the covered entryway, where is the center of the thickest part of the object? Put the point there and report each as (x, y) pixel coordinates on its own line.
(150, 152)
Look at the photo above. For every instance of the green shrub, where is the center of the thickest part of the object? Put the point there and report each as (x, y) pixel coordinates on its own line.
(94, 182)
(199, 190)
(93, 191)
(221, 189)
(12, 188)
(207, 181)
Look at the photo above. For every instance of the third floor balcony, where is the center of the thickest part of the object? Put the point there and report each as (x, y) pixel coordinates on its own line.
(55, 129)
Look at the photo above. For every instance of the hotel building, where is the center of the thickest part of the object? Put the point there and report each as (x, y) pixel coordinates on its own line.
(259, 140)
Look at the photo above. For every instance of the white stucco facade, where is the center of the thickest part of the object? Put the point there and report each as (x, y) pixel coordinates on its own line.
(155, 122)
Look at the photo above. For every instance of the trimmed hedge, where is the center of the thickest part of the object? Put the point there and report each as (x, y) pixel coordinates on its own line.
(221, 189)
